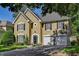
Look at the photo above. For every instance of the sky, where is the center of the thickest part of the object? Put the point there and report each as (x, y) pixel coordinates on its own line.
(5, 14)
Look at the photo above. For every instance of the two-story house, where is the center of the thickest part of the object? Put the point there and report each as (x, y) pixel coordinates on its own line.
(51, 29)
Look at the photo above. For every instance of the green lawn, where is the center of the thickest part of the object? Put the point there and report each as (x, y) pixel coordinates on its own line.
(72, 50)
(8, 48)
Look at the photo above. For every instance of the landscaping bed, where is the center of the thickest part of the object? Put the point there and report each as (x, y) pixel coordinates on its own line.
(8, 48)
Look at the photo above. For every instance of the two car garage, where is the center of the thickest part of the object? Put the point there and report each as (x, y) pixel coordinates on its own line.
(55, 40)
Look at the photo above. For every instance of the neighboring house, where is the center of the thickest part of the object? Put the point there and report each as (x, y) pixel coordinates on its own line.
(51, 29)
(5, 25)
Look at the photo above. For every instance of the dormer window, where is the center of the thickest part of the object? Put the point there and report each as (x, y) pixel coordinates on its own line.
(20, 27)
(48, 26)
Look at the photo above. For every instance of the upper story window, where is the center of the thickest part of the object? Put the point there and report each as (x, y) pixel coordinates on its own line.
(20, 27)
(62, 29)
(48, 26)
(60, 25)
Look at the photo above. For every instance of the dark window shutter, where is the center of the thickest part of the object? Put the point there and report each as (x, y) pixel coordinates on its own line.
(63, 26)
(17, 27)
(24, 26)
(17, 38)
(31, 25)
(42, 24)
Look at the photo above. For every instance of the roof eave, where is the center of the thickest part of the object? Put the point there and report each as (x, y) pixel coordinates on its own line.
(18, 16)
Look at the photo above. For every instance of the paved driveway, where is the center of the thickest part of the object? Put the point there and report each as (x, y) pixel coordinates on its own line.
(38, 51)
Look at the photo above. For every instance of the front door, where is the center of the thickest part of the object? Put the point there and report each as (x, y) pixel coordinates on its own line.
(35, 39)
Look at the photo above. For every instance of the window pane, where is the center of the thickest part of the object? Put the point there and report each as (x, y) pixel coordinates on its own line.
(21, 26)
(60, 25)
(21, 38)
(48, 26)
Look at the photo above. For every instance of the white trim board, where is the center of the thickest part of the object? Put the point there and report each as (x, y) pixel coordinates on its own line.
(32, 38)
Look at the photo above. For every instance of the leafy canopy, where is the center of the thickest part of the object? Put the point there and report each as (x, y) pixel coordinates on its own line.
(68, 9)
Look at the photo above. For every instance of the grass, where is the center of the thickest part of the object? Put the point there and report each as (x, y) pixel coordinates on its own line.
(70, 50)
(8, 48)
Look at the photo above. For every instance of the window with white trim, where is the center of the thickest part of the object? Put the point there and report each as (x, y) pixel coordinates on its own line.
(60, 25)
(20, 27)
(48, 26)
(21, 38)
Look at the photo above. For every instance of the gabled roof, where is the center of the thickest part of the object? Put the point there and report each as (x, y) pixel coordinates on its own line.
(49, 17)
(23, 14)
(32, 13)
(20, 13)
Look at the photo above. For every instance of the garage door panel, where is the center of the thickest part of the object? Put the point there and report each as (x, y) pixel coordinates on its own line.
(47, 40)
(61, 40)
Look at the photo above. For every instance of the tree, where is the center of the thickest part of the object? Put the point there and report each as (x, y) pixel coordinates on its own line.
(68, 9)
(7, 38)
(75, 25)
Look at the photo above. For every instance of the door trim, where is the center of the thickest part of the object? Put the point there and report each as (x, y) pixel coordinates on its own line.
(37, 38)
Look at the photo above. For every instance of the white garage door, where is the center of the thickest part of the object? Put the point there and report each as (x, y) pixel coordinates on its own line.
(61, 40)
(46, 40)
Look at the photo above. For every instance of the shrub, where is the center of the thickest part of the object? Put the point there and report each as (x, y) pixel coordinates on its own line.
(1, 46)
(26, 40)
(74, 43)
(62, 31)
(7, 38)
(12, 47)
(71, 50)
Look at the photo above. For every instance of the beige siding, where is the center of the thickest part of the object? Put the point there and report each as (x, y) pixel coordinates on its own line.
(66, 22)
(50, 32)
(54, 28)
(32, 17)
(36, 30)
(21, 20)
(36, 25)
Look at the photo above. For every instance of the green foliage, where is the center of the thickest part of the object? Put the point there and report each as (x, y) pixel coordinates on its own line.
(71, 50)
(68, 9)
(74, 43)
(7, 38)
(8, 48)
(26, 40)
(1, 46)
(75, 25)
(62, 31)
(10, 28)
